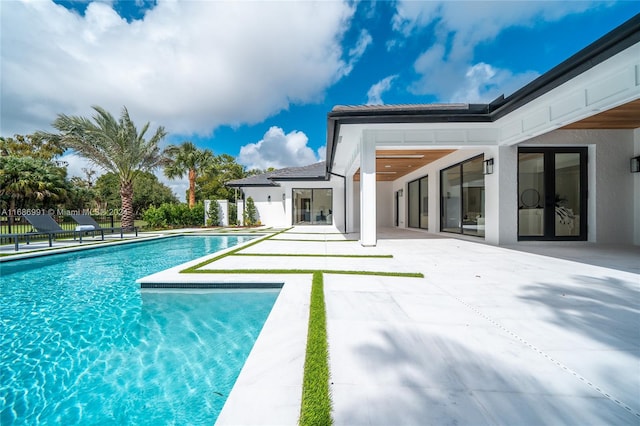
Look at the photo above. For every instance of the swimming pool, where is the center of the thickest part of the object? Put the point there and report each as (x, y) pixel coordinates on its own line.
(80, 344)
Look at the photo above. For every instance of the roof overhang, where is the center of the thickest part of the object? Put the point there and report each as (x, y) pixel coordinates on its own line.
(600, 83)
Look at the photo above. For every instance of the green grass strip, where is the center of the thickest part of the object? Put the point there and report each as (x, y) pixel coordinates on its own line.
(375, 256)
(303, 271)
(316, 398)
(229, 253)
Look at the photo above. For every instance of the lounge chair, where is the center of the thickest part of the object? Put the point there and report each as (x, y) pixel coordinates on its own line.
(27, 236)
(87, 224)
(44, 225)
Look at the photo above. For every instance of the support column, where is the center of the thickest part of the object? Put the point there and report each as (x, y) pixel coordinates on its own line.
(349, 207)
(368, 236)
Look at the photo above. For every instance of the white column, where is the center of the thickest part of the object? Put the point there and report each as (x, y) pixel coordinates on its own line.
(636, 191)
(349, 208)
(501, 208)
(368, 235)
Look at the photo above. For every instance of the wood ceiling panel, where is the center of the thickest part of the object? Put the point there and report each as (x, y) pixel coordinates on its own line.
(625, 116)
(392, 164)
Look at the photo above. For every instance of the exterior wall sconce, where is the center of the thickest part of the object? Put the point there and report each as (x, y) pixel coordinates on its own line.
(635, 164)
(487, 166)
(400, 192)
(269, 198)
(284, 196)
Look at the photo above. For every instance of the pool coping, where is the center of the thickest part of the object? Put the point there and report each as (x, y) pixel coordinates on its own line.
(91, 244)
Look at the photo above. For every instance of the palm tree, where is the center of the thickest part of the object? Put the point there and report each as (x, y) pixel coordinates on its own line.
(32, 179)
(187, 158)
(114, 145)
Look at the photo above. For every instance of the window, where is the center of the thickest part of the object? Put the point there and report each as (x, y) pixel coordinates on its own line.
(462, 197)
(418, 207)
(313, 206)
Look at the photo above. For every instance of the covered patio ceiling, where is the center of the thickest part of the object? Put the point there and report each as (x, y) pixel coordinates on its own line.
(626, 116)
(392, 164)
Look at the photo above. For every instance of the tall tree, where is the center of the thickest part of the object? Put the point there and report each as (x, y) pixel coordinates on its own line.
(211, 185)
(30, 146)
(147, 191)
(28, 179)
(186, 158)
(114, 145)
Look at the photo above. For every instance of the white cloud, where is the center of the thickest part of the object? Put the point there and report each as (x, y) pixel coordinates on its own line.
(447, 68)
(374, 95)
(277, 149)
(322, 153)
(189, 66)
(356, 52)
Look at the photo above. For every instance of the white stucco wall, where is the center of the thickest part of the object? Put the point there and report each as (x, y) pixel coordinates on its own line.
(636, 190)
(610, 184)
(614, 193)
(277, 212)
(384, 204)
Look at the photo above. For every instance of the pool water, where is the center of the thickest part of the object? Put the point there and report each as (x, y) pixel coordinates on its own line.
(81, 344)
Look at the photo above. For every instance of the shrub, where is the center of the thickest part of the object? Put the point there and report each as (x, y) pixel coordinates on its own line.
(214, 214)
(174, 215)
(250, 213)
(155, 218)
(233, 214)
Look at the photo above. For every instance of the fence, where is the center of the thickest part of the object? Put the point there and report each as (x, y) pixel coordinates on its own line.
(19, 225)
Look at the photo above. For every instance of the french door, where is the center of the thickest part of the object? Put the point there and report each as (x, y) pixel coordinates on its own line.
(552, 193)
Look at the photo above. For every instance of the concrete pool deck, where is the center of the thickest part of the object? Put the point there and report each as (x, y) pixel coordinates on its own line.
(490, 335)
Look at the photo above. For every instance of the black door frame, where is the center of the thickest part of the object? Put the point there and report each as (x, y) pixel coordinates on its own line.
(549, 190)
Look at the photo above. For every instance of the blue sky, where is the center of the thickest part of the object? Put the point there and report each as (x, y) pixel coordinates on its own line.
(256, 79)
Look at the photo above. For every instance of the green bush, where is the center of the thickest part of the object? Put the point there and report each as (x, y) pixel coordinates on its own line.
(233, 214)
(155, 217)
(170, 215)
(250, 213)
(214, 214)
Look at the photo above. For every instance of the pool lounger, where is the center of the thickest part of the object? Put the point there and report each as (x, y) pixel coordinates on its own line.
(44, 225)
(86, 221)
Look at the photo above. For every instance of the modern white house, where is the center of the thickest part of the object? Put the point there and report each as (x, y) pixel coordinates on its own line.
(557, 160)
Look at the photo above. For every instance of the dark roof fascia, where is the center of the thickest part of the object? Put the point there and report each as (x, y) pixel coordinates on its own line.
(612, 43)
(309, 178)
(256, 185)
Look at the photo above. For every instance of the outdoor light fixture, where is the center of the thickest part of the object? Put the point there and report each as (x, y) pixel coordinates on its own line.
(400, 192)
(487, 168)
(635, 164)
(284, 196)
(269, 198)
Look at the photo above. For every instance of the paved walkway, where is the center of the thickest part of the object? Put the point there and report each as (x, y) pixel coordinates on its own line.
(489, 336)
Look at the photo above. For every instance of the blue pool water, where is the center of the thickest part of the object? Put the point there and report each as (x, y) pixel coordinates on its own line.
(81, 344)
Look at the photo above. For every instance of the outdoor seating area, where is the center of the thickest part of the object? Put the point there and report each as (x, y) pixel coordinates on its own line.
(44, 227)
(87, 223)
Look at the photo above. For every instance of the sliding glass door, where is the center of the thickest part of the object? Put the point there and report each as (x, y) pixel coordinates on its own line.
(418, 207)
(552, 193)
(312, 206)
(462, 198)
